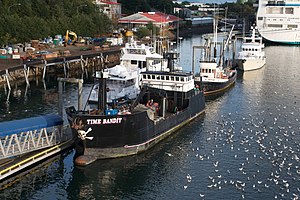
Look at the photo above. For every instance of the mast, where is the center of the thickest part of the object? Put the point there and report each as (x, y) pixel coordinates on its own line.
(224, 48)
(102, 96)
(215, 33)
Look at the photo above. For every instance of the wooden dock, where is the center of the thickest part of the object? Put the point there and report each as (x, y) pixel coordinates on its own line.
(87, 56)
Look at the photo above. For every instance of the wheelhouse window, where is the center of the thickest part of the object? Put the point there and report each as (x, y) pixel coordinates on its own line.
(177, 78)
(290, 26)
(289, 10)
(274, 10)
(134, 62)
(275, 25)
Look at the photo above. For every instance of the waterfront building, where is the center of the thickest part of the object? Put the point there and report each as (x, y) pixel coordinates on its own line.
(109, 7)
(143, 18)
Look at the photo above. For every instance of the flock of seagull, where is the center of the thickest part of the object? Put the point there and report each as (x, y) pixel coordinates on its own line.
(252, 154)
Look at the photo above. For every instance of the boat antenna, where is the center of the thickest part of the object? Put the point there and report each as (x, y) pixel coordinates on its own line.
(215, 33)
(253, 33)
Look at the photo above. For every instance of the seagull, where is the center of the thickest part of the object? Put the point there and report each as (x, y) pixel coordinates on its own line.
(169, 154)
(216, 164)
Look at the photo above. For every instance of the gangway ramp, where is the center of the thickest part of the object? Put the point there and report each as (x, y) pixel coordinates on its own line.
(26, 135)
(28, 141)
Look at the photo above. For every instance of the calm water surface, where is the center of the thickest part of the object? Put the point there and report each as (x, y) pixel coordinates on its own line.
(245, 147)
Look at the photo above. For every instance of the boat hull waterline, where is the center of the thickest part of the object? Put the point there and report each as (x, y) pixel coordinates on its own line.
(250, 64)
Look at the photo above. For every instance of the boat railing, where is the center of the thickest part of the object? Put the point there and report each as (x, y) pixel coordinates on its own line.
(276, 3)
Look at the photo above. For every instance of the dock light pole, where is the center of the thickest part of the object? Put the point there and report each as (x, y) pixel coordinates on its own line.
(16, 4)
(84, 5)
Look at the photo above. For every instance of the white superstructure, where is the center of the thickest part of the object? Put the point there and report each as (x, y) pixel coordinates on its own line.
(135, 56)
(124, 79)
(252, 55)
(279, 21)
(169, 81)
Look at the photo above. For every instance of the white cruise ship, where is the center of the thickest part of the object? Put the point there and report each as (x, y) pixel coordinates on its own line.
(279, 21)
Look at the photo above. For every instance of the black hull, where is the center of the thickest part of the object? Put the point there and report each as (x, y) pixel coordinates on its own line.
(212, 90)
(124, 135)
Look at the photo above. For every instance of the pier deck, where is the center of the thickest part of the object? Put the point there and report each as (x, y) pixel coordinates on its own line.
(76, 52)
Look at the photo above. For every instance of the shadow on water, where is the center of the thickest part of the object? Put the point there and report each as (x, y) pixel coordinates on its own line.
(38, 98)
(28, 181)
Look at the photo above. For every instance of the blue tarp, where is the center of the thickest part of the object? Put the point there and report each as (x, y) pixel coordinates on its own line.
(29, 124)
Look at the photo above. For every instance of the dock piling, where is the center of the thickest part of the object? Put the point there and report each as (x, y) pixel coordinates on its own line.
(26, 74)
(60, 88)
(7, 79)
(45, 68)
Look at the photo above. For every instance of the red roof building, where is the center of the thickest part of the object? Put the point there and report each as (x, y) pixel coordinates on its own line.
(143, 18)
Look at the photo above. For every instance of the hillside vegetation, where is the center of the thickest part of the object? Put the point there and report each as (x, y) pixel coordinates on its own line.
(22, 21)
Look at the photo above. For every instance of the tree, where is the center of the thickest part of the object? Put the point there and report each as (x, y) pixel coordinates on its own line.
(37, 19)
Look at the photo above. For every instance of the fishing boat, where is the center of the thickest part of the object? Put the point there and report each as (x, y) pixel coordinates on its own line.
(167, 101)
(252, 55)
(215, 77)
(279, 21)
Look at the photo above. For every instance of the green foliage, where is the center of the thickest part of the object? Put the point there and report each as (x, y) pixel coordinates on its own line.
(147, 30)
(37, 19)
(143, 32)
(155, 29)
(239, 10)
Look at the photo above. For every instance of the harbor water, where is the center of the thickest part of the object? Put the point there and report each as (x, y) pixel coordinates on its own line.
(246, 146)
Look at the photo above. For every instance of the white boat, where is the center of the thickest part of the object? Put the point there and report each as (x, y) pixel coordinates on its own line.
(252, 55)
(123, 82)
(279, 21)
